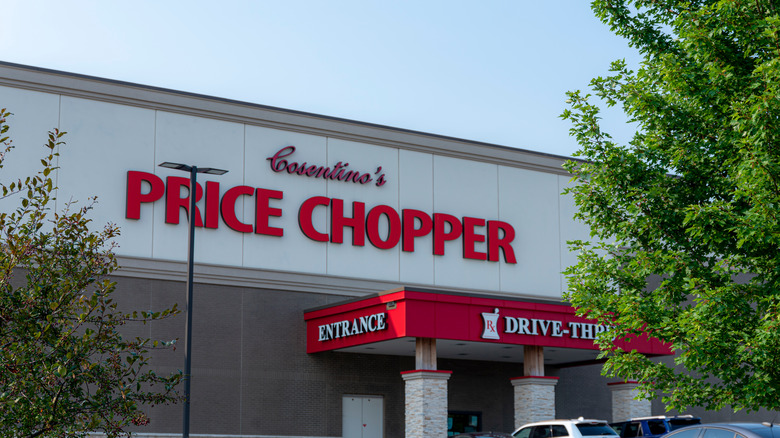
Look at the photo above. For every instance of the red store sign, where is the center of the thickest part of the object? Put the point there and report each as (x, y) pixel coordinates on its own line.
(404, 227)
(418, 314)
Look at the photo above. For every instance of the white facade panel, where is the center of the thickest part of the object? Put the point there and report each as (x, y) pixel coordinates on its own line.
(530, 199)
(465, 189)
(415, 189)
(103, 140)
(203, 143)
(293, 251)
(33, 115)
(345, 259)
(571, 229)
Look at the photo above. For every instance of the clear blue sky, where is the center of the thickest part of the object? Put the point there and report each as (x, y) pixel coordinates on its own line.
(487, 70)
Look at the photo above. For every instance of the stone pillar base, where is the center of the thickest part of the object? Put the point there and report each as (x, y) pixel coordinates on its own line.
(534, 399)
(426, 403)
(624, 405)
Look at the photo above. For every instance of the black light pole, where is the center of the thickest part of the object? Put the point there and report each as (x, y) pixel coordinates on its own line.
(194, 171)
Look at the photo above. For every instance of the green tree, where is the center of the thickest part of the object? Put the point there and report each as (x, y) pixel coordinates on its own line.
(685, 226)
(65, 369)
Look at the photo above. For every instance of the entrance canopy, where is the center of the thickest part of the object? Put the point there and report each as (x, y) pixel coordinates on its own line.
(465, 327)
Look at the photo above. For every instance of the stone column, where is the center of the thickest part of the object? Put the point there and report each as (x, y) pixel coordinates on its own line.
(426, 403)
(624, 404)
(534, 399)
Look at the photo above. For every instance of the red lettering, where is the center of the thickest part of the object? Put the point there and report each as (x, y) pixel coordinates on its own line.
(409, 230)
(478, 244)
(174, 201)
(321, 172)
(338, 221)
(337, 172)
(393, 223)
(277, 162)
(229, 208)
(263, 210)
(212, 204)
(135, 196)
(440, 235)
(301, 169)
(495, 242)
(304, 218)
(470, 238)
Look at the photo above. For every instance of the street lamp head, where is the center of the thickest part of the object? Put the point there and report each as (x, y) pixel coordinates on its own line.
(177, 166)
(186, 168)
(212, 171)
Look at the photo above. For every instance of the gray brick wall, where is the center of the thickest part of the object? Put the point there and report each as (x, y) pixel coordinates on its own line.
(582, 392)
(251, 373)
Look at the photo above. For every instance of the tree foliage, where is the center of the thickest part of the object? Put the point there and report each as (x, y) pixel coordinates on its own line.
(685, 218)
(65, 369)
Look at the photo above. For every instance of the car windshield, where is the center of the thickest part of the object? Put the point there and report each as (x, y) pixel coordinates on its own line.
(676, 423)
(657, 427)
(594, 429)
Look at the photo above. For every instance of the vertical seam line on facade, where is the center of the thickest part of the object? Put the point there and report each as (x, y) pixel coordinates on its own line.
(151, 242)
(498, 216)
(327, 216)
(154, 168)
(243, 296)
(560, 238)
(398, 203)
(244, 236)
(57, 158)
(433, 210)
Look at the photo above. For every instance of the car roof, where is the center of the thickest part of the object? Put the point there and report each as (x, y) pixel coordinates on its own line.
(658, 417)
(748, 429)
(569, 421)
(746, 426)
(483, 434)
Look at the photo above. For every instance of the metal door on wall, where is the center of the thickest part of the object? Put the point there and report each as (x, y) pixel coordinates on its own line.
(362, 416)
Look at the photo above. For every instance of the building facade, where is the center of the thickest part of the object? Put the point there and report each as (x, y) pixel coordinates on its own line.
(351, 279)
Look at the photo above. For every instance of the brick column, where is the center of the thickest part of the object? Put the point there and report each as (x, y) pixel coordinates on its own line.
(534, 399)
(426, 403)
(624, 404)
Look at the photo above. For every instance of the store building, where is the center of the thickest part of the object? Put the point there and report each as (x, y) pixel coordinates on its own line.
(351, 279)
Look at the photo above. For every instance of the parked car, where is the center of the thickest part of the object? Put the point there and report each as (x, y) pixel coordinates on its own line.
(578, 428)
(728, 430)
(653, 427)
(483, 435)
